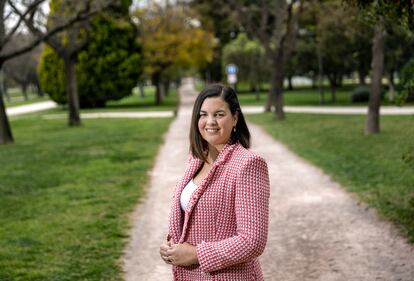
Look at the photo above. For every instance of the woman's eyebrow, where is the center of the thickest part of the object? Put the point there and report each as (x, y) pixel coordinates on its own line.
(219, 110)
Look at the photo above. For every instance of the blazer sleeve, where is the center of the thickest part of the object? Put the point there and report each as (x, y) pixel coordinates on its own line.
(252, 217)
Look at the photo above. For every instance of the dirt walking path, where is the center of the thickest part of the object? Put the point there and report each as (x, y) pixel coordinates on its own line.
(317, 231)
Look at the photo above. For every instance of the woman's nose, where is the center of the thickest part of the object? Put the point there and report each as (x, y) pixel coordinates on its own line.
(211, 120)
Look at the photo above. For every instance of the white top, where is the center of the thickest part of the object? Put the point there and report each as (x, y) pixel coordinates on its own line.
(186, 194)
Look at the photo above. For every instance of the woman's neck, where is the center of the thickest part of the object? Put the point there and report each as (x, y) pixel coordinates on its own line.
(213, 152)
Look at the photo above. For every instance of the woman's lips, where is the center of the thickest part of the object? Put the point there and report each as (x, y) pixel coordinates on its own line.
(210, 130)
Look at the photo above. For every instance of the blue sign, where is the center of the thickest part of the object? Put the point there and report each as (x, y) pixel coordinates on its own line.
(231, 69)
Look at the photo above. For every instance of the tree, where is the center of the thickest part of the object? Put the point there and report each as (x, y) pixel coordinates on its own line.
(216, 16)
(274, 24)
(333, 30)
(69, 43)
(172, 41)
(107, 69)
(25, 14)
(407, 82)
(248, 55)
(399, 44)
(401, 12)
(22, 69)
(360, 31)
(307, 57)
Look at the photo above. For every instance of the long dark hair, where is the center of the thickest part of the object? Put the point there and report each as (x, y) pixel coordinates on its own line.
(198, 145)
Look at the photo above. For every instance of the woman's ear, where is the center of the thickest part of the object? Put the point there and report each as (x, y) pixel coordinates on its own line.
(236, 118)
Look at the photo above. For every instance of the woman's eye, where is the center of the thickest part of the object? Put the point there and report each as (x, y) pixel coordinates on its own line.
(219, 114)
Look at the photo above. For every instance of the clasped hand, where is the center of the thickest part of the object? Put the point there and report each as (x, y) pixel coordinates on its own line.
(179, 254)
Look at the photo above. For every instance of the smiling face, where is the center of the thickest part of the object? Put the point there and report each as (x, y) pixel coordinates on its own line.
(216, 122)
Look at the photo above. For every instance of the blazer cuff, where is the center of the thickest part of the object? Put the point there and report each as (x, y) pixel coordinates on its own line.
(206, 258)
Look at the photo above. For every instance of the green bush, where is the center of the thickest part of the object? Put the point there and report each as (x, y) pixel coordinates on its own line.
(406, 92)
(51, 75)
(360, 94)
(107, 69)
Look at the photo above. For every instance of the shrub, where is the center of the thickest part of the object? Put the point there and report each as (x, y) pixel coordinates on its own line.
(51, 75)
(406, 92)
(360, 94)
(107, 69)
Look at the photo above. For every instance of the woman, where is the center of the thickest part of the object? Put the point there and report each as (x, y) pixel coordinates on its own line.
(219, 216)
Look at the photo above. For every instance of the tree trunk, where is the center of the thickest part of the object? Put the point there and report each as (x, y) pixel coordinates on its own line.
(332, 86)
(3, 86)
(290, 85)
(314, 82)
(156, 81)
(361, 77)
(277, 84)
(39, 90)
(257, 91)
(166, 85)
(372, 121)
(333, 93)
(270, 97)
(320, 74)
(391, 86)
(275, 96)
(252, 87)
(161, 92)
(72, 92)
(24, 90)
(141, 89)
(339, 80)
(5, 131)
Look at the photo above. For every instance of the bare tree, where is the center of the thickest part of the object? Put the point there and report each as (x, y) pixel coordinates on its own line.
(22, 69)
(20, 15)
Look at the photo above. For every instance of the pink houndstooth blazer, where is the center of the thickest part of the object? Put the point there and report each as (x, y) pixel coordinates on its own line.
(226, 218)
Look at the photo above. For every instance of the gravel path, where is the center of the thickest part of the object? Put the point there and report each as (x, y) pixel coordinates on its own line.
(317, 231)
(29, 108)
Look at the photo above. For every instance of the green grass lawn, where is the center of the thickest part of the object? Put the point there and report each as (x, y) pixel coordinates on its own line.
(65, 194)
(308, 96)
(32, 99)
(304, 96)
(135, 102)
(371, 166)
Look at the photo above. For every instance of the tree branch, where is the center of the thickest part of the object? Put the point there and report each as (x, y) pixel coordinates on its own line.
(30, 9)
(41, 37)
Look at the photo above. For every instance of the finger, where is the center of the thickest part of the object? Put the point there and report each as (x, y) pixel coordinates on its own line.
(163, 250)
(165, 246)
(168, 259)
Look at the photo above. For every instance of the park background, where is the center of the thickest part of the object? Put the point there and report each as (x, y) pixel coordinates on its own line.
(68, 183)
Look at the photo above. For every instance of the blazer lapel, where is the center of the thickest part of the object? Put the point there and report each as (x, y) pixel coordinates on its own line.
(176, 216)
(221, 159)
